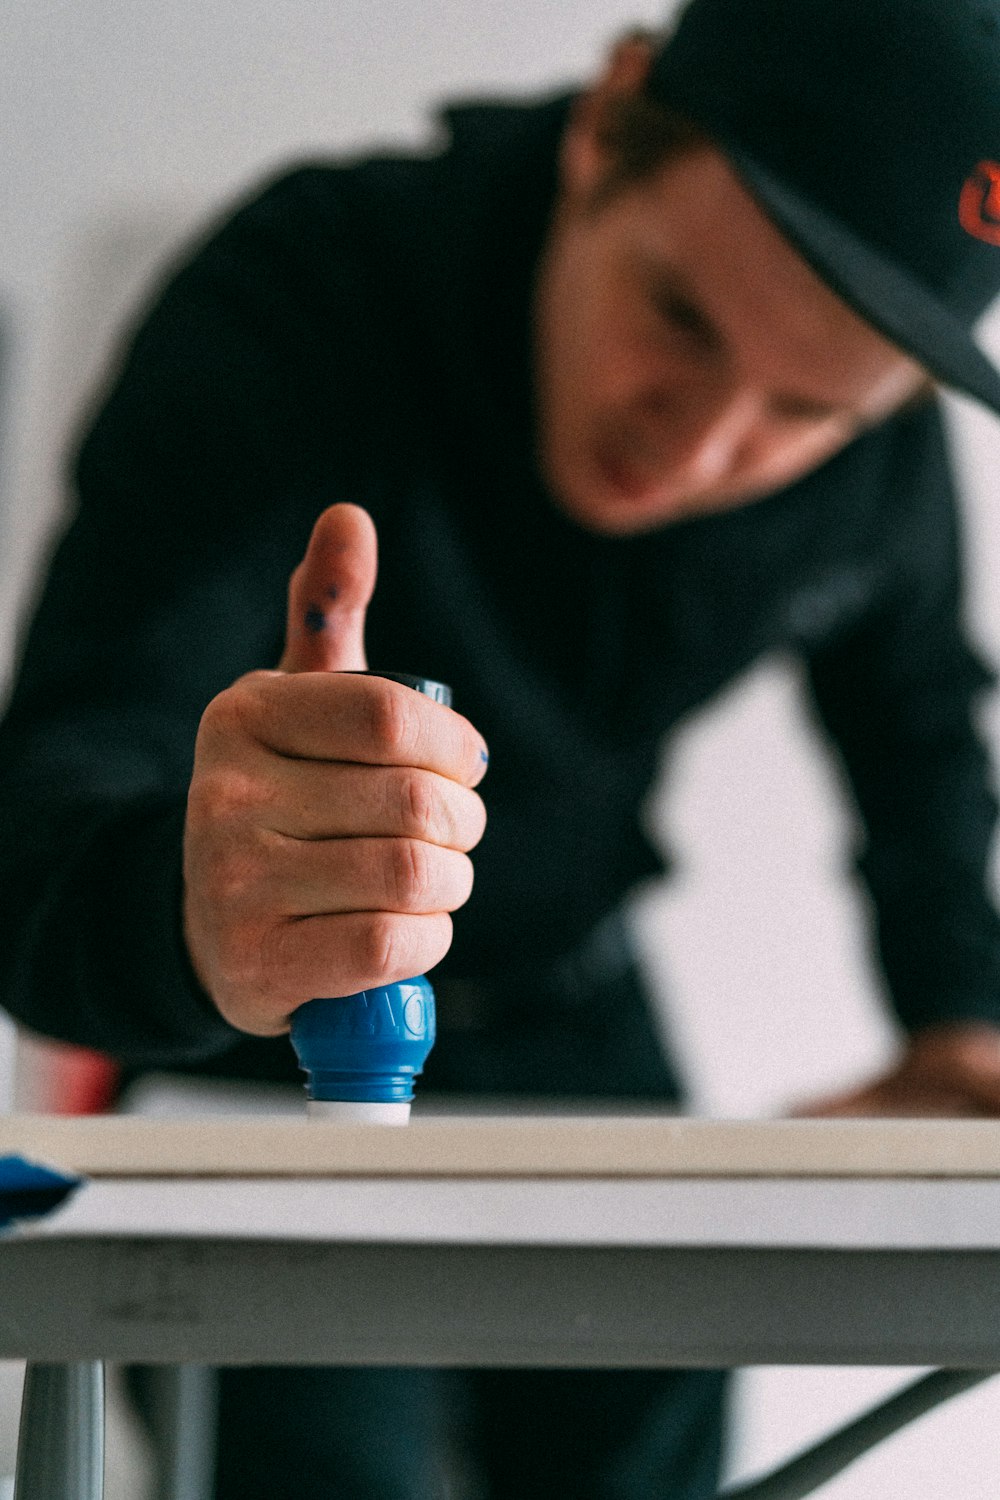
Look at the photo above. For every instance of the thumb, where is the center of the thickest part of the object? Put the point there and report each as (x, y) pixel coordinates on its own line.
(328, 594)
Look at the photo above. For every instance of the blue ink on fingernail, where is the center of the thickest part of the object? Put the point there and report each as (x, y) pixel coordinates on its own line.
(315, 620)
(484, 756)
(332, 592)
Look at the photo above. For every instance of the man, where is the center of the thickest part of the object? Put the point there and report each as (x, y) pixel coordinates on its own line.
(620, 380)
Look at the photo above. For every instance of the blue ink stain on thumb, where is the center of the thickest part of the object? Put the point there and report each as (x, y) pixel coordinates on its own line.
(315, 619)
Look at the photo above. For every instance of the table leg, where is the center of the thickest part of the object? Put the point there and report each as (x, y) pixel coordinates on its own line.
(60, 1454)
(184, 1404)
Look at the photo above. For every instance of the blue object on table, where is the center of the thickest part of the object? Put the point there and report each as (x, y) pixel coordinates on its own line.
(365, 1050)
(27, 1190)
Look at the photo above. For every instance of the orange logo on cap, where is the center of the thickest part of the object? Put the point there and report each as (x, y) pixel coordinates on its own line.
(979, 205)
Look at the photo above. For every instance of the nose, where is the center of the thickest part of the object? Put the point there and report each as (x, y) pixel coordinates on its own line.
(704, 435)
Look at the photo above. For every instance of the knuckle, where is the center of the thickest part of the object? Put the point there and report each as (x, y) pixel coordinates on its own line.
(223, 796)
(394, 726)
(214, 728)
(240, 964)
(233, 792)
(382, 947)
(238, 711)
(228, 709)
(409, 873)
(419, 804)
(232, 876)
(252, 687)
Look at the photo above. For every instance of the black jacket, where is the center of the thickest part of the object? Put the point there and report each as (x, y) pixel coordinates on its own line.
(359, 332)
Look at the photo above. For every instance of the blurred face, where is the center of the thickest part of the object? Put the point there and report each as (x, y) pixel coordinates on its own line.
(687, 358)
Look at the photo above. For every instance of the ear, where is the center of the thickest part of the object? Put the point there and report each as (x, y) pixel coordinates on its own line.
(584, 158)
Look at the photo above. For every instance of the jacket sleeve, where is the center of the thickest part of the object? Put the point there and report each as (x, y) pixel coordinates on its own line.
(898, 693)
(196, 489)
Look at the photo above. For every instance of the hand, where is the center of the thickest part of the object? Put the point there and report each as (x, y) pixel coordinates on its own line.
(950, 1070)
(330, 816)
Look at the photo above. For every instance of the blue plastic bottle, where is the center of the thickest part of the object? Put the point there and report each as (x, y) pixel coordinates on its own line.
(361, 1053)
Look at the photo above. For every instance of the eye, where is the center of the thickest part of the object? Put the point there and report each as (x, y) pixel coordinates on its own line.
(682, 319)
(807, 414)
(679, 314)
(800, 415)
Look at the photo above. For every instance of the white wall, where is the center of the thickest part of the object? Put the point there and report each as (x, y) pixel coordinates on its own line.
(146, 114)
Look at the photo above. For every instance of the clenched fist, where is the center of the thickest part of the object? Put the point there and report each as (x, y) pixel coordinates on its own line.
(330, 816)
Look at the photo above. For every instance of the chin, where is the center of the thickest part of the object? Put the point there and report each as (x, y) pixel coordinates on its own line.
(612, 505)
(610, 511)
(614, 514)
(608, 522)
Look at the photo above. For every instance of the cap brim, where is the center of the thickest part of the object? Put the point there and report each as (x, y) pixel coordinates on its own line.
(896, 304)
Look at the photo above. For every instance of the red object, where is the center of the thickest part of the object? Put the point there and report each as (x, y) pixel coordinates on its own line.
(80, 1082)
(979, 204)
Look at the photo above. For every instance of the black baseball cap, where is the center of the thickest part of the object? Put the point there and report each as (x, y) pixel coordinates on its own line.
(869, 132)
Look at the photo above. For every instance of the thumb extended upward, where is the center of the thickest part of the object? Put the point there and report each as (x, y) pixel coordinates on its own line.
(328, 594)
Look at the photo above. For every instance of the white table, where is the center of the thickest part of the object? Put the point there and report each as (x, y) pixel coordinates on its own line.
(560, 1241)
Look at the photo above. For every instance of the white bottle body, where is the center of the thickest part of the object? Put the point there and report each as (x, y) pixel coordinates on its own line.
(359, 1112)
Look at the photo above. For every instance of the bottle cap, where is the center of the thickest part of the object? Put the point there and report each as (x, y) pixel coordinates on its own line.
(439, 691)
(366, 1048)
